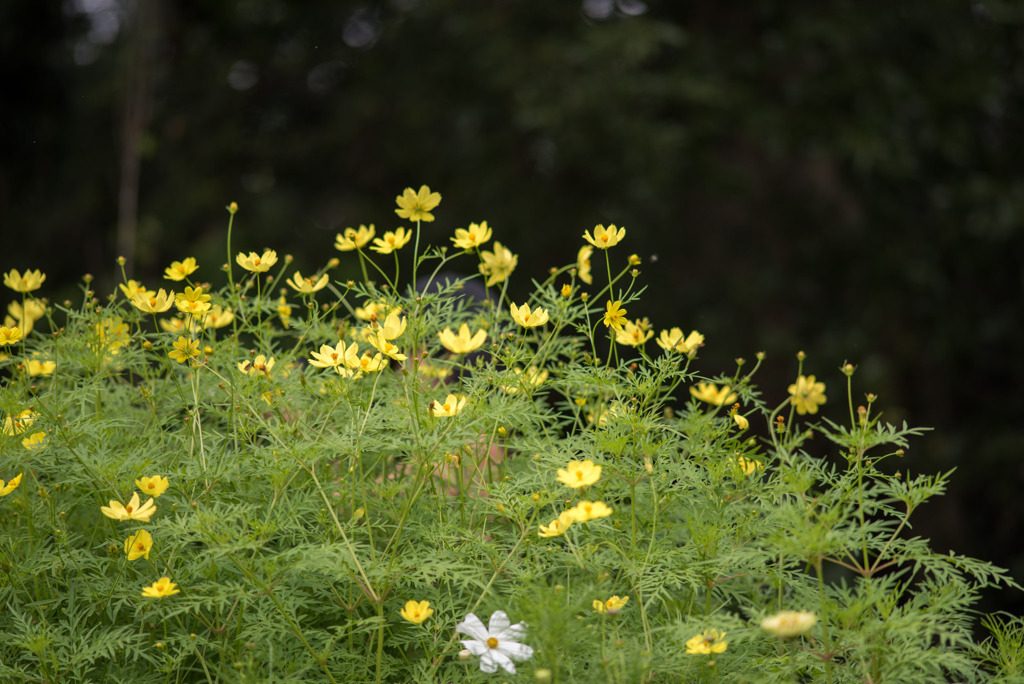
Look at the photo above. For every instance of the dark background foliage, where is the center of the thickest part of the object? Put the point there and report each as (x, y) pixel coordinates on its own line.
(841, 177)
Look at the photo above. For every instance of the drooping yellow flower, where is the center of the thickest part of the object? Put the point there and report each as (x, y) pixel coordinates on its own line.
(218, 317)
(612, 605)
(257, 263)
(307, 285)
(583, 264)
(9, 487)
(472, 237)
(153, 302)
(605, 237)
(25, 317)
(416, 611)
(192, 301)
(709, 392)
(789, 623)
(134, 287)
(161, 588)
(464, 342)
(585, 511)
(394, 326)
(138, 545)
(416, 206)
(133, 511)
(452, 406)
(531, 377)
(558, 526)
(387, 348)
(19, 423)
(37, 440)
(391, 241)
(179, 270)
(368, 362)
(24, 282)
(674, 341)
(153, 486)
(498, 265)
(807, 394)
(526, 318)
(261, 364)
(185, 350)
(353, 239)
(633, 334)
(36, 367)
(9, 335)
(707, 642)
(578, 474)
(614, 315)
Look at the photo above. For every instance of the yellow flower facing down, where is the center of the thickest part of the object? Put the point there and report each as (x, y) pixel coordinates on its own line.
(807, 394)
(161, 588)
(789, 623)
(138, 545)
(36, 367)
(19, 423)
(612, 605)
(353, 239)
(179, 270)
(37, 440)
(498, 265)
(741, 421)
(192, 301)
(257, 263)
(472, 237)
(185, 350)
(25, 317)
(387, 348)
(583, 264)
(153, 302)
(586, 511)
(131, 511)
(24, 282)
(709, 392)
(134, 287)
(218, 317)
(707, 642)
(261, 364)
(9, 335)
(614, 315)
(464, 342)
(391, 241)
(416, 611)
(307, 285)
(558, 526)
(452, 406)
(605, 237)
(578, 474)
(153, 486)
(368, 362)
(526, 318)
(633, 334)
(674, 341)
(394, 326)
(416, 206)
(9, 487)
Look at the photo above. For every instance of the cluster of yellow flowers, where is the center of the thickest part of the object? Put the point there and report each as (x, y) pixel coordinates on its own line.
(575, 475)
(140, 544)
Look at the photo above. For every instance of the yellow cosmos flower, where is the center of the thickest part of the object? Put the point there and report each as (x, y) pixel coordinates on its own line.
(394, 326)
(307, 285)
(111, 334)
(153, 486)
(673, 340)
(498, 265)
(526, 318)
(579, 474)
(257, 263)
(179, 270)
(472, 237)
(261, 364)
(416, 206)
(179, 325)
(134, 287)
(747, 466)
(558, 526)
(566, 290)
(391, 241)
(463, 343)
(218, 317)
(452, 406)
(25, 317)
(531, 377)
(19, 423)
(605, 237)
(369, 362)
(138, 545)
(6, 489)
(36, 367)
(586, 511)
(416, 611)
(707, 391)
(9, 335)
(185, 350)
(707, 642)
(385, 347)
(789, 623)
(633, 334)
(24, 282)
(162, 587)
(133, 511)
(353, 239)
(284, 312)
(153, 302)
(192, 301)
(612, 605)
(332, 357)
(807, 394)
(37, 440)
(583, 264)
(614, 315)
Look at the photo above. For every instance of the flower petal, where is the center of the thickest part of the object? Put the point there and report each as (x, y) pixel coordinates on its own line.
(472, 627)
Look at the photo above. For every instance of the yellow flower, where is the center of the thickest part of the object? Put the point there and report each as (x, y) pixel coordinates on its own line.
(192, 301)
(498, 265)
(463, 343)
(257, 263)
(612, 605)
(394, 326)
(524, 317)
(6, 489)
(138, 545)
(634, 260)
(385, 347)
(185, 350)
(707, 391)
(532, 377)
(633, 334)
(585, 511)
(162, 587)
(416, 206)
(132, 511)
(789, 623)
(154, 486)
(19, 423)
(614, 315)
(179, 270)
(605, 238)
(474, 236)
(368, 362)
(25, 317)
(673, 340)
(747, 466)
(179, 325)
(9, 335)
(30, 280)
(417, 611)
(37, 440)
(307, 285)
(579, 474)
(566, 290)
(583, 264)
(112, 334)
(284, 311)
(331, 357)
(37, 367)
(218, 317)
(807, 394)
(353, 239)
(391, 241)
(707, 642)
(452, 406)
(558, 526)
(132, 288)
(261, 364)
(153, 302)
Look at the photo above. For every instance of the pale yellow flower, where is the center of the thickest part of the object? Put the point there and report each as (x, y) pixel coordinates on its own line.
(578, 474)
(36, 367)
(161, 588)
(189, 324)
(132, 511)
(612, 605)
(218, 317)
(709, 392)
(179, 270)
(416, 206)
(369, 362)
(25, 317)
(134, 287)
(585, 511)
(284, 312)
(112, 334)
(307, 285)
(416, 611)
(6, 489)
(807, 394)
(472, 237)
(674, 340)
(498, 265)
(19, 423)
(37, 440)
(464, 342)
(633, 334)
(10, 335)
(385, 347)
(184, 350)
(531, 377)
(789, 623)
(138, 545)
(353, 239)
(526, 318)
(153, 302)
(333, 357)
(153, 486)
(583, 264)
(707, 642)
(605, 237)
(747, 466)
(394, 326)
(192, 301)
(558, 526)
(391, 241)
(452, 406)
(257, 263)
(261, 364)
(24, 282)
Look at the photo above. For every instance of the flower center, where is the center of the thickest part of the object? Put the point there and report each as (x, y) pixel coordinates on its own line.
(579, 474)
(140, 546)
(151, 486)
(492, 642)
(128, 508)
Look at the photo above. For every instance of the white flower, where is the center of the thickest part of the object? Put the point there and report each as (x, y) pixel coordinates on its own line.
(497, 644)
